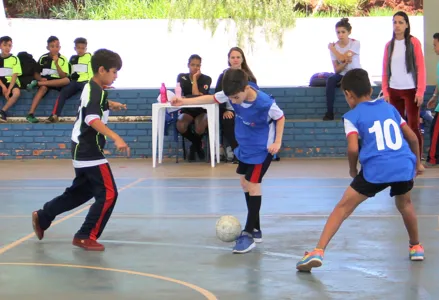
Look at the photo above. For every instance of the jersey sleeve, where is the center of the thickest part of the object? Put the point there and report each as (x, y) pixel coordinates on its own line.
(16, 69)
(64, 64)
(93, 108)
(355, 47)
(275, 112)
(333, 57)
(179, 77)
(220, 97)
(89, 69)
(205, 84)
(349, 127)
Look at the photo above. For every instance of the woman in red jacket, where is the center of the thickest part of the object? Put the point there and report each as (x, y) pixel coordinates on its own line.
(404, 75)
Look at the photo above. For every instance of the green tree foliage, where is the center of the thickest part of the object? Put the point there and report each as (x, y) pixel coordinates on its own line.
(272, 16)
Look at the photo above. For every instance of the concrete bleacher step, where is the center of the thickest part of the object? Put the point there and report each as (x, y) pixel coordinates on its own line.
(302, 138)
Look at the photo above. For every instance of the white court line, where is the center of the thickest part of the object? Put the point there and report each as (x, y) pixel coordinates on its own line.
(175, 246)
(211, 216)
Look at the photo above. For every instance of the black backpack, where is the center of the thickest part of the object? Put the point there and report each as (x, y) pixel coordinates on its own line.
(28, 68)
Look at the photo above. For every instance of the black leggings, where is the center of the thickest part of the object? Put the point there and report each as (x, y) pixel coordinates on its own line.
(228, 128)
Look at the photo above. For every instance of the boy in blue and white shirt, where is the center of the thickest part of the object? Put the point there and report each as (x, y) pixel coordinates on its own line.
(389, 157)
(259, 126)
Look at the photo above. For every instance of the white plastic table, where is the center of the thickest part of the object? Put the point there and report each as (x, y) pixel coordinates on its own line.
(158, 129)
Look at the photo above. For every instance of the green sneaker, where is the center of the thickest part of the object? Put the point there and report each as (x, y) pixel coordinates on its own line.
(31, 85)
(31, 118)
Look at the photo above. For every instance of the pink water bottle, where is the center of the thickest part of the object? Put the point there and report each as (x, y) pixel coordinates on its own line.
(163, 94)
(178, 90)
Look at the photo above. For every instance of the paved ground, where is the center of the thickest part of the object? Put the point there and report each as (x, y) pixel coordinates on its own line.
(161, 244)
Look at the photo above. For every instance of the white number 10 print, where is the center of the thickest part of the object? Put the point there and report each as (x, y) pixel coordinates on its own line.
(383, 137)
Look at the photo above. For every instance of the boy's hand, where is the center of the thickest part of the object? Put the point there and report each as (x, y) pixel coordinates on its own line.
(228, 115)
(432, 103)
(419, 100)
(353, 173)
(274, 148)
(121, 146)
(419, 169)
(117, 106)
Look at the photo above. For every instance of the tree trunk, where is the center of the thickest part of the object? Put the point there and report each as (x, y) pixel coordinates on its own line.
(317, 8)
(2, 12)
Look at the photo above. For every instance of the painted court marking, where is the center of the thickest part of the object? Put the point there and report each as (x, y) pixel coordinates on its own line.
(205, 293)
(210, 216)
(71, 215)
(227, 187)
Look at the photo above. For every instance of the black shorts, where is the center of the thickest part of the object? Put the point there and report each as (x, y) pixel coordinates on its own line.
(254, 173)
(193, 112)
(3, 80)
(369, 189)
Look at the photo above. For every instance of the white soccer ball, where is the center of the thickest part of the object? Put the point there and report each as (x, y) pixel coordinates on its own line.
(228, 228)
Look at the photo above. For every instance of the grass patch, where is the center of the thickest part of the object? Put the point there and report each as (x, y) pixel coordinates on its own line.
(160, 9)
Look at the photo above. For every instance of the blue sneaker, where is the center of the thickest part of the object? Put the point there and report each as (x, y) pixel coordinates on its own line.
(244, 243)
(257, 236)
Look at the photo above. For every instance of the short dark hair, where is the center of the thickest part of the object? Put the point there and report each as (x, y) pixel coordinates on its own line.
(234, 81)
(107, 59)
(80, 40)
(194, 56)
(51, 39)
(435, 36)
(357, 82)
(5, 39)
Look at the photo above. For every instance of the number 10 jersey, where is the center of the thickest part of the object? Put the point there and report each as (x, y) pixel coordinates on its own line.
(385, 155)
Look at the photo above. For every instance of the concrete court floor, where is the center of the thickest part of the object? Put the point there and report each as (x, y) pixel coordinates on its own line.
(161, 244)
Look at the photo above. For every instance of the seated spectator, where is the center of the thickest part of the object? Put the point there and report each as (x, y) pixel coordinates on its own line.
(192, 122)
(345, 56)
(236, 60)
(54, 75)
(10, 69)
(81, 73)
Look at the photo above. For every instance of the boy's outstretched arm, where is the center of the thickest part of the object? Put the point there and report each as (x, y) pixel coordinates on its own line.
(413, 142)
(206, 99)
(100, 127)
(275, 147)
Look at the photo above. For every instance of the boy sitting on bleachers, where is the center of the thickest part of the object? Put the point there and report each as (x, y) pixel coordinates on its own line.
(10, 69)
(54, 75)
(81, 73)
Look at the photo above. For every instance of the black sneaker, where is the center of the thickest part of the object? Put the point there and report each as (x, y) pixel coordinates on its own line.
(3, 116)
(192, 151)
(328, 117)
(201, 154)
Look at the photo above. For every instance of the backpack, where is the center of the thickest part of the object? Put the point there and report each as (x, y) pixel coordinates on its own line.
(319, 79)
(28, 68)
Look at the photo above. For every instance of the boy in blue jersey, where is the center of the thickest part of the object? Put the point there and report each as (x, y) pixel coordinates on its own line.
(389, 157)
(258, 137)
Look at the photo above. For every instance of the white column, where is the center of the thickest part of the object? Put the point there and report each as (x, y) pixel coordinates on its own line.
(431, 26)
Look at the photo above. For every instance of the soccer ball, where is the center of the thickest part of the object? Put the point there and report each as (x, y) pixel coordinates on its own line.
(228, 228)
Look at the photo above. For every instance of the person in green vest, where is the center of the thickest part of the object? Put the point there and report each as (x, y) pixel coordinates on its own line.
(54, 75)
(81, 73)
(10, 69)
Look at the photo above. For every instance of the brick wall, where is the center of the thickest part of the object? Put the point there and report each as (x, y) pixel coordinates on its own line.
(297, 103)
(303, 136)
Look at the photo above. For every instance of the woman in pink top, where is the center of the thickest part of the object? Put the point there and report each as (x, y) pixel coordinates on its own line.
(404, 79)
